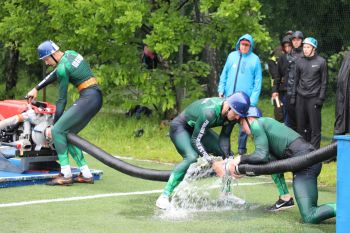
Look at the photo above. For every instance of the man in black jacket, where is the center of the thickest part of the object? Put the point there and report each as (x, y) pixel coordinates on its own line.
(342, 104)
(279, 85)
(297, 53)
(310, 91)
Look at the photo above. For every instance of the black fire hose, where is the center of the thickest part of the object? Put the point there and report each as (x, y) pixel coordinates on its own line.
(291, 164)
(115, 163)
(280, 166)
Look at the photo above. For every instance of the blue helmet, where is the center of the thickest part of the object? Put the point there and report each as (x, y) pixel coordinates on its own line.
(47, 48)
(254, 112)
(239, 102)
(311, 41)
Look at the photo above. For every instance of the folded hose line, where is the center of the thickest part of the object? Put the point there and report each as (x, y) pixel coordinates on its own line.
(290, 164)
(115, 163)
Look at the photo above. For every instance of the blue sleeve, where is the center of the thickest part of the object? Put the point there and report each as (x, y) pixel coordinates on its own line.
(257, 83)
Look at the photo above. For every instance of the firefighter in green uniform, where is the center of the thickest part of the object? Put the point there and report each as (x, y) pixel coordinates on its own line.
(192, 135)
(70, 67)
(275, 141)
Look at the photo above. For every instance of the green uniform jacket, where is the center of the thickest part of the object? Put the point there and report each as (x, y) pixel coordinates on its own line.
(271, 138)
(72, 68)
(204, 114)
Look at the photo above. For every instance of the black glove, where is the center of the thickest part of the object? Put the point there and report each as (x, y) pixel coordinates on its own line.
(292, 101)
(318, 103)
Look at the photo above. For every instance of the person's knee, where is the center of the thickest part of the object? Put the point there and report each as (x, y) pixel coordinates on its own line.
(309, 218)
(191, 158)
(57, 131)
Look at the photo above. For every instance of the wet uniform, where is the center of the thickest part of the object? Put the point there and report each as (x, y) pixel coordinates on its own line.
(72, 68)
(192, 136)
(275, 141)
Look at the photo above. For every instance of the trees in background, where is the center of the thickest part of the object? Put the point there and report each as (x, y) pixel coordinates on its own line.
(190, 38)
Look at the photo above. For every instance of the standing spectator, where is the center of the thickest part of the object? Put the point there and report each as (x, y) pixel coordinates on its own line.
(310, 84)
(242, 72)
(297, 52)
(279, 86)
(342, 104)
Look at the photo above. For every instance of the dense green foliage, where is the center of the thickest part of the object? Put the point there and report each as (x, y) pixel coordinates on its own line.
(111, 35)
(191, 39)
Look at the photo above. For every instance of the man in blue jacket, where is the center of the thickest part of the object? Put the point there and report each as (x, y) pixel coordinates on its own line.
(242, 72)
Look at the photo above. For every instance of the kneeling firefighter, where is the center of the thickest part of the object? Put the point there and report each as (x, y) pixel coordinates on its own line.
(70, 67)
(275, 141)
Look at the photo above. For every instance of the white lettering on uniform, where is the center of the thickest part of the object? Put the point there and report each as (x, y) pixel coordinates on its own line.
(77, 61)
(199, 138)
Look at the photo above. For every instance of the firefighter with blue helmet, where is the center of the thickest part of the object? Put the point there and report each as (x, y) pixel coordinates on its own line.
(275, 141)
(70, 67)
(192, 135)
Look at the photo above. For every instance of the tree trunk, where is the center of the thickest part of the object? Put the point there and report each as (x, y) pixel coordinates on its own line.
(180, 91)
(11, 72)
(210, 56)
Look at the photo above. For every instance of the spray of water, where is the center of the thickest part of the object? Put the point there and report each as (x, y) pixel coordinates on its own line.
(202, 191)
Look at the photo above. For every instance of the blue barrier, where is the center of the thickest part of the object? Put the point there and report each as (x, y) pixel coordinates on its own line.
(343, 184)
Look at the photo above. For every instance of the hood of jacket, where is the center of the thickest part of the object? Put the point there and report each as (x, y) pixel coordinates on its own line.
(246, 37)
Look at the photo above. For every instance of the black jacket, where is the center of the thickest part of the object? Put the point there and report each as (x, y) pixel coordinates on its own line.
(294, 56)
(283, 67)
(311, 77)
(342, 105)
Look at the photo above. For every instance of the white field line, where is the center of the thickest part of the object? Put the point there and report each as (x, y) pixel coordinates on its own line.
(23, 203)
(97, 196)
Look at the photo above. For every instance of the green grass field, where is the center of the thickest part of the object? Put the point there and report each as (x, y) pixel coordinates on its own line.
(137, 213)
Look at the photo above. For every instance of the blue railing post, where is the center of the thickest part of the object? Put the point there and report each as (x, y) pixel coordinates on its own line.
(343, 184)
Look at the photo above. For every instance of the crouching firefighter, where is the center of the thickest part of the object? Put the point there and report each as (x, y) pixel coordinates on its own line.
(192, 135)
(70, 67)
(275, 141)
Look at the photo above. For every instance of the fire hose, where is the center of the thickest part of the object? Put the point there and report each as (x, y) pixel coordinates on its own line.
(280, 166)
(291, 164)
(115, 163)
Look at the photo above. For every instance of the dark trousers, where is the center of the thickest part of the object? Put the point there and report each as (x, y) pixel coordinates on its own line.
(290, 120)
(242, 142)
(308, 114)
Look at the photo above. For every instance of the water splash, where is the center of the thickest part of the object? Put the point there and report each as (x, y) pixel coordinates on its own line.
(196, 194)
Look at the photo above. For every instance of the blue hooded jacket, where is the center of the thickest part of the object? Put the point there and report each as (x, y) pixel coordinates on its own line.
(249, 77)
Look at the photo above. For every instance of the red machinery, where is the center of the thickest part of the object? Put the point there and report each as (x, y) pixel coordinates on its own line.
(22, 134)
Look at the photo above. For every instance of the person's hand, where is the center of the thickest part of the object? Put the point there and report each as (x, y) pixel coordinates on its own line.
(47, 133)
(318, 103)
(219, 168)
(32, 95)
(232, 165)
(275, 95)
